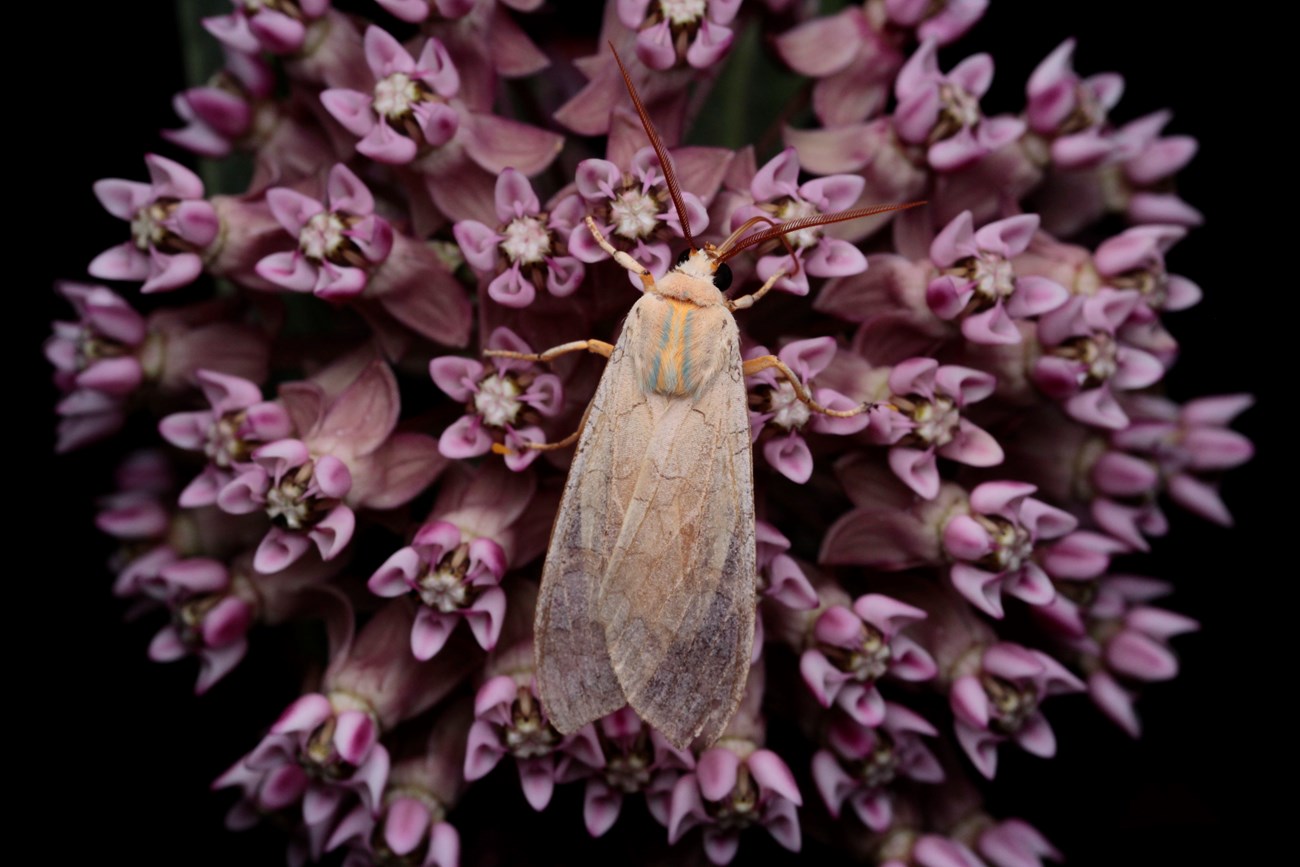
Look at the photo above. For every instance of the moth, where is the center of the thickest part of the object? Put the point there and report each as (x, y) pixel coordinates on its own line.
(649, 589)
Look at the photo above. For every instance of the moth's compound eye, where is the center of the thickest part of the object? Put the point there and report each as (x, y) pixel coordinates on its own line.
(722, 277)
(683, 256)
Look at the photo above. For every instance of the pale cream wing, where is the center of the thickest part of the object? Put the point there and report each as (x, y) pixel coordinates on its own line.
(574, 677)
(679, 593)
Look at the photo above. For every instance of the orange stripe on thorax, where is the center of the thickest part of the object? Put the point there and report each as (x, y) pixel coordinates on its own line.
(672, 372)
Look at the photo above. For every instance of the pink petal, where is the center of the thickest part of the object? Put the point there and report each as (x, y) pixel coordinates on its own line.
(292, 209)
(355, 735)
(430, 632)
(350, 108)
(486, 617)
(981, 588)
(278, 550)
(304, 715)
(537, 777)
(333, 532)
(383, 144)
(405, 824)
(711, 42)
(790, 456)
(1036, 737)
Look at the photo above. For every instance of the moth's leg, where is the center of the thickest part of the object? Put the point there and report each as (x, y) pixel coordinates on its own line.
(746, 301)
(647, 279)
(599, 347)
(766, 362)
(503, 449)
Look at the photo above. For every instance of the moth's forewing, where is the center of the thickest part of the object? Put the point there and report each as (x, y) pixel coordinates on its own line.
(678, 596)
(574, 677)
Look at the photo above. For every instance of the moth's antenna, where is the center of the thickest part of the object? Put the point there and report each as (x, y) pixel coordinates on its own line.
(783, 229)
(664, 163)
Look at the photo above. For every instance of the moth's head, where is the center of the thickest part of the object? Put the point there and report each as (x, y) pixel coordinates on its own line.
(704, 264)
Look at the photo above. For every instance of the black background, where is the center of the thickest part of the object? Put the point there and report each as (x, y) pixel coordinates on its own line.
(114, 755)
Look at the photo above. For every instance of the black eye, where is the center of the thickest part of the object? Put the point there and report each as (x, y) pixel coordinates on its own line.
(683, 256)
(722, 277)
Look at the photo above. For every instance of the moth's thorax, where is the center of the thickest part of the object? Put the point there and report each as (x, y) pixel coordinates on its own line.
(691, 281)
(679, 346)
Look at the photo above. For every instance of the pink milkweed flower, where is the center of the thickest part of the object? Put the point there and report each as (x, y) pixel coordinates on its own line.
(409, 106)
(1148, 162)
(777, 195)
(238, 421)
(1190, 444)
(672, 31)
(941, 111)
(863, 761)
(848, 650)
(411, 821)
(112, 353)
(96, 363)
(736, 785)
(528, 250)
(213, 605)
(780, 578)
(775, 408)
(325, 745)
(923, 419)
(223, 111)
(510, 720)
(348, 252)
(348, 454)
(280, 28)
(1135, 259)
(995, 543)
(171, 227)
(303, 496)
(457, 558)
(1121, 639)
(977, 284)
(999, 701)
(637, 759)
(1072, 110)
(211, 614)
(478, 33)
(633, 210)
(1086, 358)
(415, 111)
(503, 400)
(339, 241)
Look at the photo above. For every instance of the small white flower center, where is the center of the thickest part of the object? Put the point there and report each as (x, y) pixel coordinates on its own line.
(787, 410)
(870, 660)
(322, 236)
(224, 446)
(526, 240)
(395, 95)
(497, 400)
(441, 588)
(147, 229)
(1011, 547)
(628, 773)
(635, 214)
(682, 12)
(285, 503)
(960, 110)
(936, 423)
(993, 277)
(795, 209)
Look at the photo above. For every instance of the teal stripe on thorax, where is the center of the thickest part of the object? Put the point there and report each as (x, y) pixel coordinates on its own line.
(686, 386)
(653, 384)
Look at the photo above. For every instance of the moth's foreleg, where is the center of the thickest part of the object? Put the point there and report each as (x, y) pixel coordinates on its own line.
(747, 301)
(599, 347)
(766, 362)
(503, 449)
(647, 279)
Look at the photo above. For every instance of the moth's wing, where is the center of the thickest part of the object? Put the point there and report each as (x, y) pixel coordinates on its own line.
(574, 677)
(679, 593)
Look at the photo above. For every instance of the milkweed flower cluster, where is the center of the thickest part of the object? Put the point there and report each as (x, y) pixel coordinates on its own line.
(376, 477)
